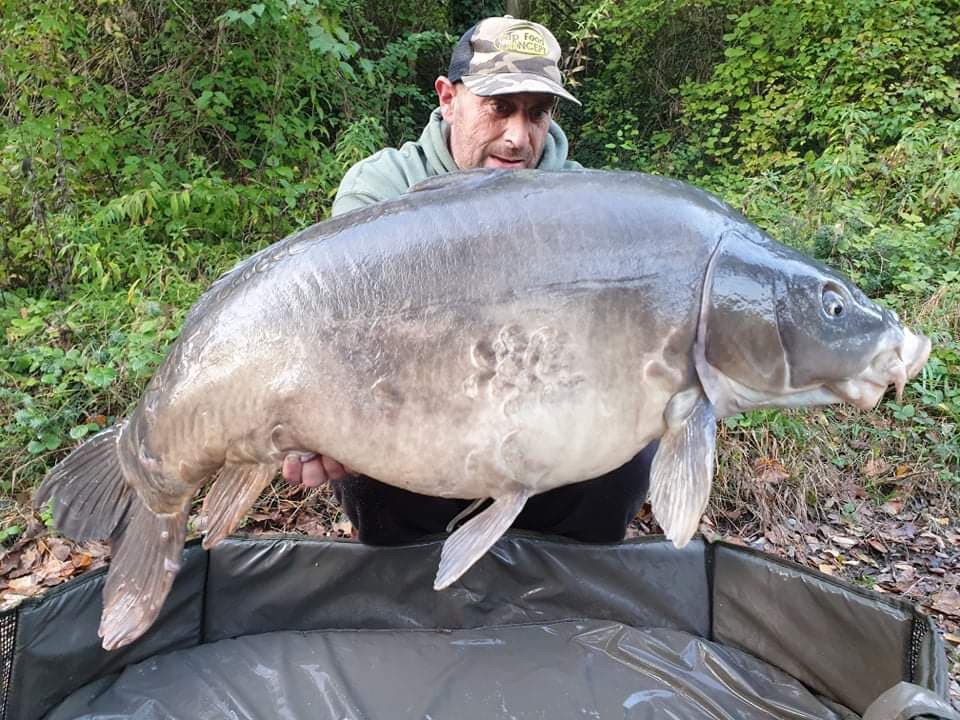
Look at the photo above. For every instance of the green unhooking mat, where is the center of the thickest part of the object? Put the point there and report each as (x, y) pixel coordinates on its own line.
(541, 628)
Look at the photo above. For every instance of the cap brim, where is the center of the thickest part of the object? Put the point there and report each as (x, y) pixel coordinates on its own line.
(510, 83)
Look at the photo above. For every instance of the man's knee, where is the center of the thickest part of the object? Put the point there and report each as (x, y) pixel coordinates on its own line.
(596, 511)
(385, 515)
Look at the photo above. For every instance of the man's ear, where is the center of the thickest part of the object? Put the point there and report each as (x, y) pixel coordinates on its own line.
(446, 94)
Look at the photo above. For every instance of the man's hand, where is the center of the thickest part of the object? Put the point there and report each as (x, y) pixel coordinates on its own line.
(312, 470)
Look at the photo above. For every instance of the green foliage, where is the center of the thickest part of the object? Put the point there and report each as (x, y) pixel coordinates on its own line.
(824, 82)
(627, 60)
(68, 368)
(168, 130)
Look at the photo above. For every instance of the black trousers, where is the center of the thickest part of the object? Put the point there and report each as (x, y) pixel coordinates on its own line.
(597, 510)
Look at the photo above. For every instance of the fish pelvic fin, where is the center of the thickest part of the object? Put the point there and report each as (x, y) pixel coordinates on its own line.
(90, 495)
(147, 550)
(468, 544)
(232, 494)
(682, 473)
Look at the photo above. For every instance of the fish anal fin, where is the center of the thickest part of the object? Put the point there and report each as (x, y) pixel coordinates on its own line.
(682, 473)
(468, 544)
(147, 551)
(232, 494)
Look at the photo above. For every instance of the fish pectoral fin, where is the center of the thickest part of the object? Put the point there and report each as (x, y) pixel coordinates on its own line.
(233, 493)
(682, 471)
(470, 542)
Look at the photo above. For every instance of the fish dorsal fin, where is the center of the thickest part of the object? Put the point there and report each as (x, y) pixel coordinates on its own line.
(682, 471)
(470, 542)
(465, 179)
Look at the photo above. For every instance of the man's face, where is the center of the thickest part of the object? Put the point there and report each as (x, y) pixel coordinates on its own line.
(500, 131)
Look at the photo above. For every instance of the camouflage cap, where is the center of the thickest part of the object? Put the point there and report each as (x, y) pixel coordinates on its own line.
(502, 55)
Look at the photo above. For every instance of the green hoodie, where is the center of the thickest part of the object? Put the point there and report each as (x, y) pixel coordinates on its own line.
(391, 172)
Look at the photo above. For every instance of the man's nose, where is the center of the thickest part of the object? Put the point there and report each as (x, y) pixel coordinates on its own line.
(517, 132)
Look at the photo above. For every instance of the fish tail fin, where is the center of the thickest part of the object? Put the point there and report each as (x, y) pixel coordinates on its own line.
(92, 500)
(147, 549)
(232, 494)
(90, 495)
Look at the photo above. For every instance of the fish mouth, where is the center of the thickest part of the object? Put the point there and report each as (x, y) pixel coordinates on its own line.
(889, 367)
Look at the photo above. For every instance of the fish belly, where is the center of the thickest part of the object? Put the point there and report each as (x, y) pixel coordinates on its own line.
(468, 402)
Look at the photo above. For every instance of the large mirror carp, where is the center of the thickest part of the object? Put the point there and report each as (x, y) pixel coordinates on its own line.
(488, 335)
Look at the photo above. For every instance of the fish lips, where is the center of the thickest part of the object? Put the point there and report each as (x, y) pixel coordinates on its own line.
(889, 367)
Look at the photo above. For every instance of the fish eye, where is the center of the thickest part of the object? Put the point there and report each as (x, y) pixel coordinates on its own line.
(832, 303)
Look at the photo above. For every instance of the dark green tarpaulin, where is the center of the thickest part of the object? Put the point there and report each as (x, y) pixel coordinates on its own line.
(290, 627)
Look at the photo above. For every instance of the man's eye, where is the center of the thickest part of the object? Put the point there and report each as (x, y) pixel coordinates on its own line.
(501, 108)
(539, 115)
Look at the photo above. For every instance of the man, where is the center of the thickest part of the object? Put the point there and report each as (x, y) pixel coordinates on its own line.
(495, 112)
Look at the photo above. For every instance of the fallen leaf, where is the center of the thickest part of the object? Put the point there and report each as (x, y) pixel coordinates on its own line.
(263, 517)
(8, 564)
(907, 573)
(892, 507)
(19, 572)
(60, 550)
(97, 549)
(825, 569)
(844, 542)
(11, 601)
(734, 540)
(936, 538)
(777, 536)
(874, 467)
(23, 584)
(53, 568)
(878, 546)
(770, 470)
(946, 601)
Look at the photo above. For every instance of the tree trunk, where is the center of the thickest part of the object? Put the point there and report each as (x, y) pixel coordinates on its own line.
(518, 8)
